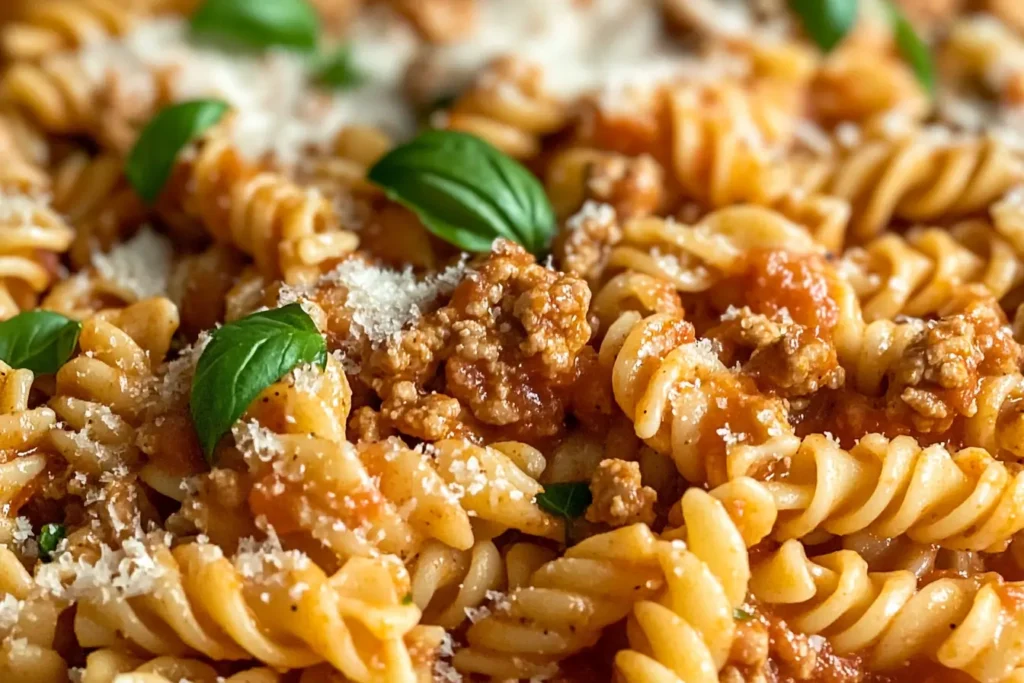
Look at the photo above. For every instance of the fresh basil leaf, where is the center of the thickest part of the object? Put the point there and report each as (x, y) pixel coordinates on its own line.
(407, 599)
(259, 23)
(913, 49)
(242, 359)
(40, 341)
(152, 159)
(50, 537)
(826, 21)
(568, 499)
(339, 70)
(741, 614)
(466, 192)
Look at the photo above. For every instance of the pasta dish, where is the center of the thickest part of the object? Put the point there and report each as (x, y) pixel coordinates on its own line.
(412, 341)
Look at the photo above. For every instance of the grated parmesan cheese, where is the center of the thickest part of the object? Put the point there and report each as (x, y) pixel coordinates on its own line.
(280, 110)
(142, 265)
(591, 212)
(21, 210)
(384, 301)
(10, 612)
(266, 559)
(117, 574)
(256, 443)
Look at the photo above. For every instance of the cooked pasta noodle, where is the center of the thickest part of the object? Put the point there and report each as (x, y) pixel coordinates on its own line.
(100, 394)
(962, 623)
(56, 25)
(287, 230)
(964, 500)
(729, 389)
(509, 108)
(695, 257)
(565, 605)
(923, 176)
(32, 234)
(687, 635)
(225, 610)
(684, 402)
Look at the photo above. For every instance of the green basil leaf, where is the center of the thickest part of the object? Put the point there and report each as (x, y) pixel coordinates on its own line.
(152, 159)
(741, 614)
(50, 537)
(466, 192)
(242, 359)
(339, 70)
(913, 49)
(40, 341)
(259, 23)
(826, 21)
(568, 499)
(407, 599)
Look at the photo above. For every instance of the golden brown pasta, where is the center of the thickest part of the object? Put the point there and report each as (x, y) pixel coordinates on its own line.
(287, 230)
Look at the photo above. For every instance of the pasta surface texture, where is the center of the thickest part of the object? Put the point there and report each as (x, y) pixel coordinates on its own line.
(470, 341)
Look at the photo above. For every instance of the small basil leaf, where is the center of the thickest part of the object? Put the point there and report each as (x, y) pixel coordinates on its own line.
(407, 599)
(263, 23)
(50, 537)
(826, 21)
(568, 499)
(242, 359)
(913, 49)
(339, 70)
(152, 159)
(741, 614)
(40, 341)
(466, 192)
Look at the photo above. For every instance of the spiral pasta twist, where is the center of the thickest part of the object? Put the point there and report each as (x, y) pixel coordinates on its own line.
(396, 496)
(963, 624)
(114, 666)
(683, 401)
(28, 629)
(965, 500)
(56, 25)
(288, 231)
(22, 432)
(726, 144)
(344, 164)
(632, 291)
(94, 195)
(918, 177)
(32, 235)
(565, 605)
(633, 186)
(687, 634)
(279, 608)
(917, 274)
(101, 394)
(468, 575)
(695, 257)
(56, 93)
(450, 585)
(509, 108)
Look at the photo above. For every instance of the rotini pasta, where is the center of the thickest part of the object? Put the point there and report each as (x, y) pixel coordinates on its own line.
(964, 624)
(664, 380)
(565, 605)
(702, 363)
(57, 25)
(285, 229)
(509, 108)
(687, 635)
(923, 176)
(965, 500)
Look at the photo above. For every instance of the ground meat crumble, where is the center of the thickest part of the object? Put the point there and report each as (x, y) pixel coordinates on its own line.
(619, 496)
